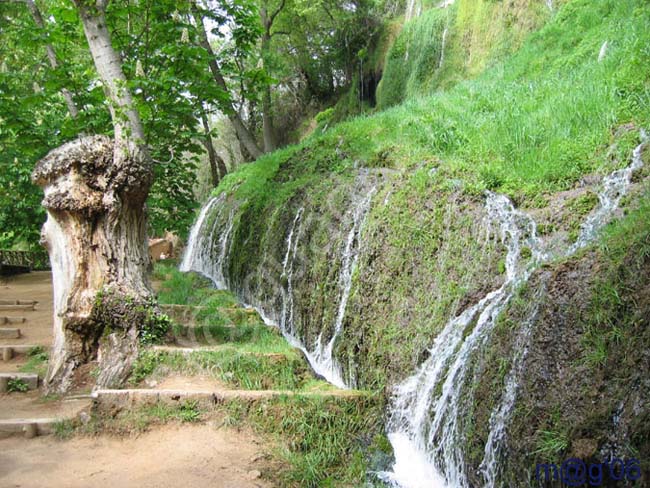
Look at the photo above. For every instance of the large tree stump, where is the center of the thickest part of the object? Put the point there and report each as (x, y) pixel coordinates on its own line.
(96, 237)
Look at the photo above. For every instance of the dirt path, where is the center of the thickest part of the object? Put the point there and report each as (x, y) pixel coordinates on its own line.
(175, 456)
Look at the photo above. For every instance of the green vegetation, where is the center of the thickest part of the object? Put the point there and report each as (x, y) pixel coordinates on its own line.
(237, 369)
(135, 420)
(17, 385)
(36, 362)
(322, 441)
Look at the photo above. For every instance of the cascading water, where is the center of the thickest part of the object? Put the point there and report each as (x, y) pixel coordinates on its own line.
(423, 426)
(413, 9)
(208, 250)
(615, 186)
(198, 240)
(286, 317)
(443, 43)
(602, 52)
(321, 356)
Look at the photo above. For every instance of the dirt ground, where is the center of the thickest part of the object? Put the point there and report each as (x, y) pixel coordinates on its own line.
(175, 456)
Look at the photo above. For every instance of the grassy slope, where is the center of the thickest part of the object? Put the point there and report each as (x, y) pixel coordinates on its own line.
(534, 123)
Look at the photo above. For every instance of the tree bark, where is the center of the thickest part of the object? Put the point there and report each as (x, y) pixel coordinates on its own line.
(267, 114)
(51, 55)
(217, 165)
(243, 133)
(95, 191)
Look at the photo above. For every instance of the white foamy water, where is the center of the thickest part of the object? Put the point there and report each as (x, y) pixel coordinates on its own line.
(323, 360)
(603, 52)
(614, 187)
(198, 237)
(425, 407)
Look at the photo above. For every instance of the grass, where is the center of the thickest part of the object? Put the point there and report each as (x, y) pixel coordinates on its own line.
(134, 420)
(535, 122)
(551, 443)
(321, 442)
(36, 362)
(238, 370)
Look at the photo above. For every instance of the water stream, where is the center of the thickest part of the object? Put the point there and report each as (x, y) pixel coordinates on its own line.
(323, 361)
(423, 422)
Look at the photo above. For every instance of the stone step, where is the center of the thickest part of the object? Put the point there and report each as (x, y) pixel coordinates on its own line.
(8, 333)
(18, 302)
(12, 320)
(127, 398)
(8, 351)
(28, 427)
(30, 379)
(224, 348)
(29, 308)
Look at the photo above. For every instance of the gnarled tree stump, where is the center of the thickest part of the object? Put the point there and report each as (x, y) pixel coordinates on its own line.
(96, 236)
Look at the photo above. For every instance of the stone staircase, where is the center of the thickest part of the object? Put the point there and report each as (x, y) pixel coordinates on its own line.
(21, 409)
(198, 389)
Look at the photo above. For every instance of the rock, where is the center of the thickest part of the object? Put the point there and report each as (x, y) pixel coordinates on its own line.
(254, 474)
(584, 448)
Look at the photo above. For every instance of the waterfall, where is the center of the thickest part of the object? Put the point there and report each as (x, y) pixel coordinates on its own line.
(442, 47)
(321, 356)
(413, 9)
(615, 186)
(207, 253)
(286, 317)
(446, 3)
(549, 4)
(198, 255)
(495, 443)
(423, 426)
(197, 240)
(602, 52)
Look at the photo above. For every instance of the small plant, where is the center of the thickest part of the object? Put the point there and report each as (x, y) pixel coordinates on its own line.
(37, 362)
(64, 429)
(551, 442)
(189, 411)
(17, 385)
(155, 328)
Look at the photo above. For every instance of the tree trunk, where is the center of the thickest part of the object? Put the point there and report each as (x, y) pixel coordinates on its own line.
(243, 133)
(95, 191)
(217, 165)
(267, 114)
(51, 55)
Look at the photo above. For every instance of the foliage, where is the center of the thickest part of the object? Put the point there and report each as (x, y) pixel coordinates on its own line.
(36, 362)
(155, 327)
(17, 385)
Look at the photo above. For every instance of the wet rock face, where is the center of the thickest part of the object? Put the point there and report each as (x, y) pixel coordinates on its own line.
(95, 234)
